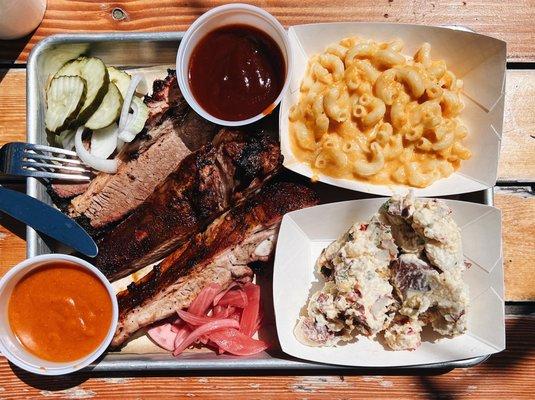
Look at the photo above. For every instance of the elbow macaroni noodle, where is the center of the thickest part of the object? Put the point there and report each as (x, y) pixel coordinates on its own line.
(368, 112)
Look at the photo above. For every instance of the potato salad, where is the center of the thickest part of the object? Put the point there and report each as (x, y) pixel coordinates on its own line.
(391, 276)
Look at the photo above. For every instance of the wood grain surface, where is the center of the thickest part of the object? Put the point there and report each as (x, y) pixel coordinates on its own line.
(12, 246)
(518, 211)
(517, 161)
(12, 105)
(510, 20)
(518, 146)
(506, 374)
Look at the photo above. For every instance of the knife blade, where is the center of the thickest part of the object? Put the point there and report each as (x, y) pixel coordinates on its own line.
(46, 219)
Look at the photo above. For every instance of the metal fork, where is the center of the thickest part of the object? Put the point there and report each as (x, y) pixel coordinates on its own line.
(26, 159)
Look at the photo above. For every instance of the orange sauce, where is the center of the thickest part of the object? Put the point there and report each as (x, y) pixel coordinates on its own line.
(60, 312)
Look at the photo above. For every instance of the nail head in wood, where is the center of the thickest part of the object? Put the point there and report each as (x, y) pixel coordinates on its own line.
(118, 14)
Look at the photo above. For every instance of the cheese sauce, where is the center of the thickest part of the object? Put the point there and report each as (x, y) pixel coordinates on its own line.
(236, 72)
(60, 312)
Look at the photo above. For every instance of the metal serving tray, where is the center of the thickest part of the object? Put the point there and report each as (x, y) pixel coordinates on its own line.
(133, 50)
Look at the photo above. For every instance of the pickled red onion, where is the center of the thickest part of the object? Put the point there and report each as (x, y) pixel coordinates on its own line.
(235, 342)
(202, 302)
(203, 330)
(250, 313)
(163, 335)
(225, 328)
(236, 298)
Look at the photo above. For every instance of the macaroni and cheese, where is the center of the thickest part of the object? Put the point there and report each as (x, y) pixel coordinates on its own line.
(368, 112)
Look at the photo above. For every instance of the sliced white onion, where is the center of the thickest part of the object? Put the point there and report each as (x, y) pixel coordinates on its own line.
(143, 87)
(120, 143)
(126, 136)
(127, 101)
(104, 141)
(67, 139)
(109, 166)
(132, 117)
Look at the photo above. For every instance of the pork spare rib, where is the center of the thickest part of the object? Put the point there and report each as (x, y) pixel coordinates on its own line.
(220, 254)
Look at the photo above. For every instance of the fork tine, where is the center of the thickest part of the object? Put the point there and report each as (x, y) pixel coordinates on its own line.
(38, 156)
(55, 175)
(49, 149)
(26, 159)
(35, 164)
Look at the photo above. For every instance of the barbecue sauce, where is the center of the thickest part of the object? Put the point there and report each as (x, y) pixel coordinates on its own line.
(60, 312)
(236, 72)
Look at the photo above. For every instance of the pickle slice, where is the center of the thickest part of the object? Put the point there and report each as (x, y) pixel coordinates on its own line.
(64, 99)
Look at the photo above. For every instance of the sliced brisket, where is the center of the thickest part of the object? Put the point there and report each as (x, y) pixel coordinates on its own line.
(165, 95)
(146, 162)
(220, 254)
(205, 185)
(68, 190)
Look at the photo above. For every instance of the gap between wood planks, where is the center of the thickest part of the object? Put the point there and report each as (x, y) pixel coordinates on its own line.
(514, 193)
(516, 166)
(517, 204)
(506, 372)
(511, 20)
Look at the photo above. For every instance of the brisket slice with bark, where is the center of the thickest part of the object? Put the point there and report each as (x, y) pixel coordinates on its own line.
(205, 185)
(172, 131)
(165, 96)
(220, 254)
(63, 190)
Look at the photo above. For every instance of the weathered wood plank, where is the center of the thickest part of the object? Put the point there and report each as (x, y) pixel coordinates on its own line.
(12, 105)
(12, 238)
(511, 20)
(508, 372)
(12, 247)
(505, 373)
(518, 242)
(518, 210)
(517, 161)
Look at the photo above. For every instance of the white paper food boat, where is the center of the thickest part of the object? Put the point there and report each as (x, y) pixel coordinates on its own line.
(305, 233)
(480, 61)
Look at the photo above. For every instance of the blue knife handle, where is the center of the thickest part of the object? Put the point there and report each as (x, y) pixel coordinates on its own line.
(46, 219)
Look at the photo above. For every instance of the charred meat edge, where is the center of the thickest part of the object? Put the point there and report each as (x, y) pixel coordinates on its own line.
(165, 94)
(244, 234)
(170, 134)
(205, 185)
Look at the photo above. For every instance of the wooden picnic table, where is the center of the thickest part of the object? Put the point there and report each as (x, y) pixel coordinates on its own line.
(509, 373)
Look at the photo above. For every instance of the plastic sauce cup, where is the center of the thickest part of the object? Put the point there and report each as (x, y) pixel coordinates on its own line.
(231, 14)
(10, 346)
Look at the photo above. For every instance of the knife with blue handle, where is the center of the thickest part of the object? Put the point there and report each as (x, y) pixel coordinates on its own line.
(47, 220)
